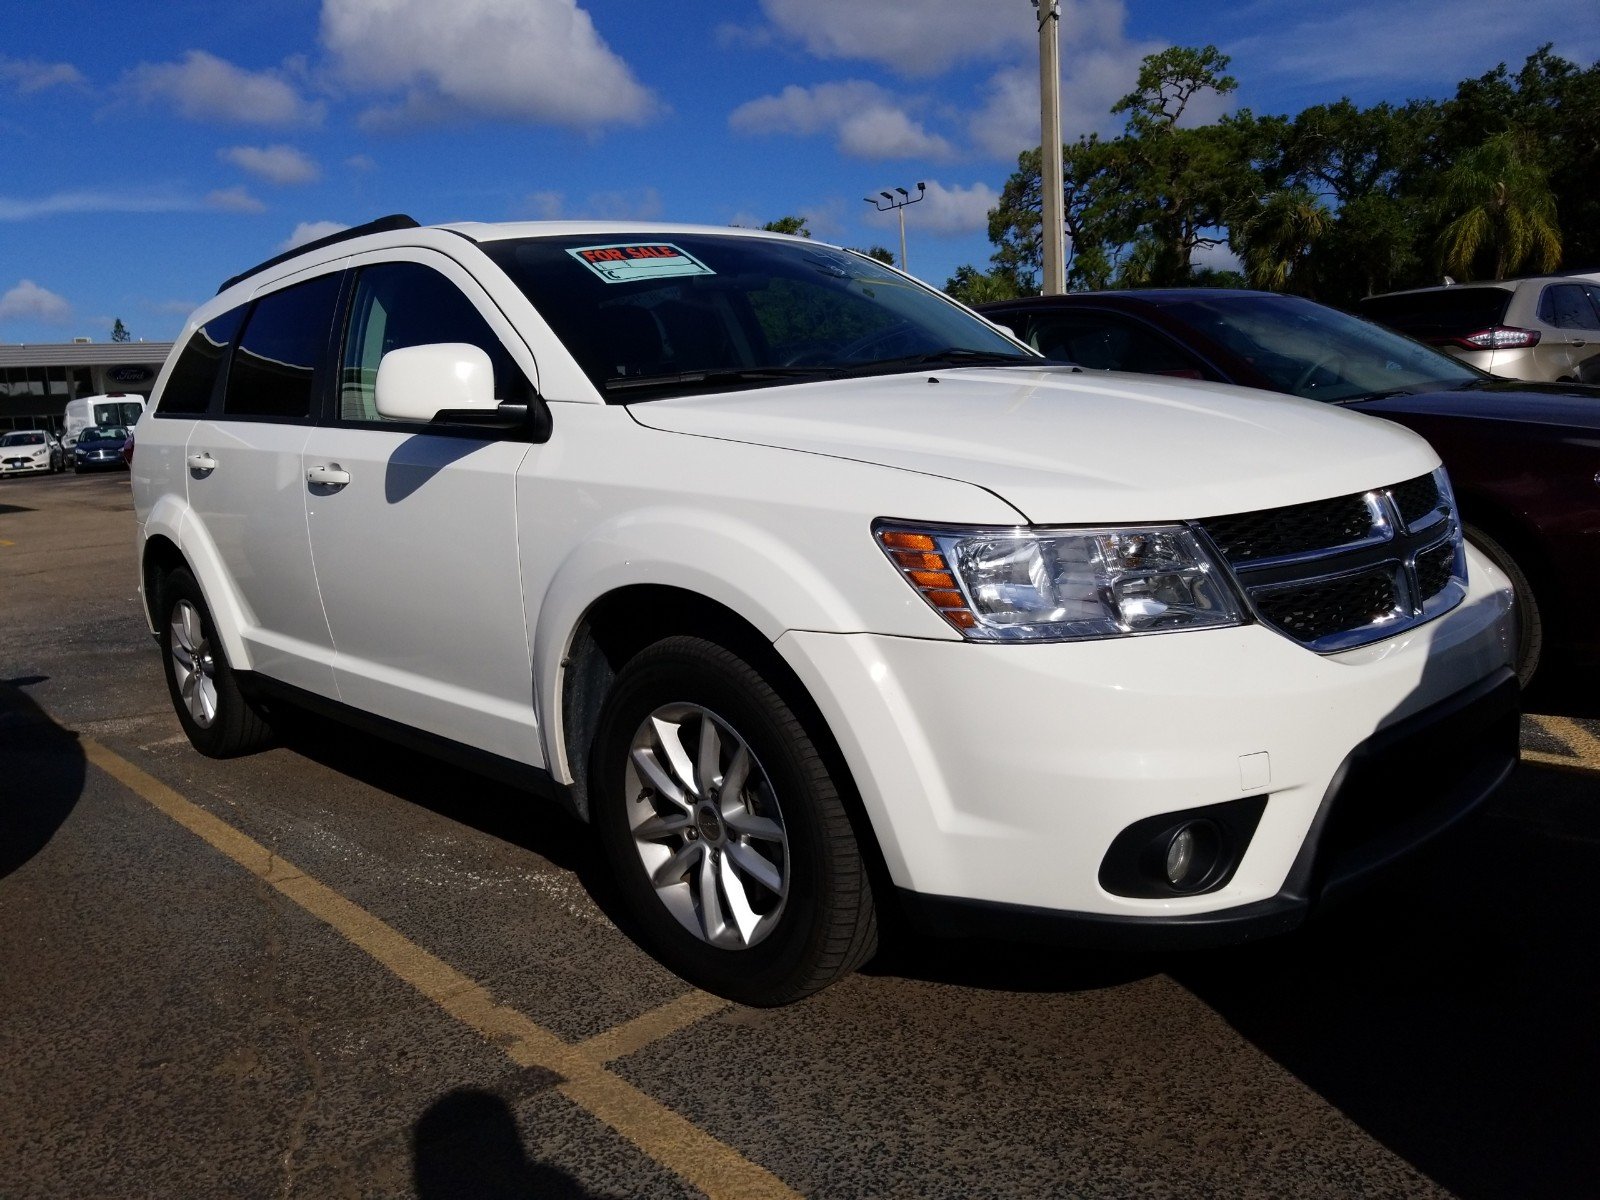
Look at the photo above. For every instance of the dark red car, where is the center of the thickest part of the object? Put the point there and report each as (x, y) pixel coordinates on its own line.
(1524, 458)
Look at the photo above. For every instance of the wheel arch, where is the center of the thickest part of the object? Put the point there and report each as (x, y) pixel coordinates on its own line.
(173, 539)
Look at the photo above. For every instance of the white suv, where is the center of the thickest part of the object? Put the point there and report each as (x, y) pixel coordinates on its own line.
(816, 593)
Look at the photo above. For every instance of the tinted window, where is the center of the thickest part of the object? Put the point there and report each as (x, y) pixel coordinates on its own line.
(274, 371)
(188, 389)
(407, 304)
(1567, 306)
(1447, 313)
(1109, 343)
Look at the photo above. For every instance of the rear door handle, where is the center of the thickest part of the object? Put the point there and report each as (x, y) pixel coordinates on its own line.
(330, 476)
(202, 462)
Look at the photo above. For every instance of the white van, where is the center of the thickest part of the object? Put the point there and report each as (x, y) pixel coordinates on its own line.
(113, 408)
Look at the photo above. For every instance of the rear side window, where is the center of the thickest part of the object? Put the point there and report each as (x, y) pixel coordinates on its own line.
(1569, 306)
(1448, 313)
(402, 304)
(280, 354)
(189, 387)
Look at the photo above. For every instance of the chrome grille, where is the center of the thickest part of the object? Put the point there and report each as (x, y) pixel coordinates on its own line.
(1339, 573)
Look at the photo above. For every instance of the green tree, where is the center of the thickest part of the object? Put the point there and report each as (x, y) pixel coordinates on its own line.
(882, 253)
(119, 332)
(1501, 209)
(794, 225)
(972, 286)
(1275, 241)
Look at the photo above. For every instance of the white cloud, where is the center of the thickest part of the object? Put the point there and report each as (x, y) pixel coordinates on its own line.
(32, 76)
(944, 210)
(204, 87)
(1216, 258)
(529, 60)
(1378, 43)
(310, 231)
(866, 121)
(361, 162)
(542, 206)
(641, 205)
(282, 165)
(1099, 65)
(29, 301)
(235, 200)
(922, 38)
(96, 202)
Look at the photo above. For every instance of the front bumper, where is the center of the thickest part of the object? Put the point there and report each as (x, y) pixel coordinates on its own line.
(1003, 774)
(25, 467)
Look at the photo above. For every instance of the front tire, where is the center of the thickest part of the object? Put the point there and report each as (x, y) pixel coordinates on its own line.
(1529, 618)
(726, 829)
(218, 720)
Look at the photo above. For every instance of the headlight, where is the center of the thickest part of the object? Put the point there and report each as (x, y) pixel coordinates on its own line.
(1003, 585)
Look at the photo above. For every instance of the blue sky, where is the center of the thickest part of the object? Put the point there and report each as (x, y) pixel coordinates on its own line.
(153, 150)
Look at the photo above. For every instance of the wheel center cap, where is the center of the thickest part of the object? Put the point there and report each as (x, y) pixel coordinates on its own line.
(709, 822)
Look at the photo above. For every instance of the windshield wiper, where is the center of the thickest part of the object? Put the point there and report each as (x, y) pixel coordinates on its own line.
(959, 356)
(741, 375)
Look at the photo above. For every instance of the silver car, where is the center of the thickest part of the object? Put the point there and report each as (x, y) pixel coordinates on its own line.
(1545, 329)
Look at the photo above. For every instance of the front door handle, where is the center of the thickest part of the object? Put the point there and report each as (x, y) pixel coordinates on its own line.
(202, 462)
(329, 476)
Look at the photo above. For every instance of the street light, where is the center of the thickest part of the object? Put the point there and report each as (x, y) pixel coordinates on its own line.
(898, 204)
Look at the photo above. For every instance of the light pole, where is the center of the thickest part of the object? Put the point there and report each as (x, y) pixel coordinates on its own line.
(1050, 166)
(884, 201)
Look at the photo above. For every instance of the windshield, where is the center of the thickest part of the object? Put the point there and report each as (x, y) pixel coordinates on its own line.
(111, 433)
(657, 315)
(1320, 353)
(22, 439)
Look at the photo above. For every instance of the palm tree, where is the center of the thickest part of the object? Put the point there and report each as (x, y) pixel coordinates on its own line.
(1274, 241)
(1498, 199)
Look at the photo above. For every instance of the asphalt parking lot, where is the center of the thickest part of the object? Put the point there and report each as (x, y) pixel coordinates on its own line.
(339, 969)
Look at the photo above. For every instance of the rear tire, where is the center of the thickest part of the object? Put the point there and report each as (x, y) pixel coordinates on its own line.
(726, 829)
(1529, 619)
(218, 720)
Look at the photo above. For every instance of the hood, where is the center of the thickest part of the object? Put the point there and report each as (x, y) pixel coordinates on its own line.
(1568, 405)
(1066, 446)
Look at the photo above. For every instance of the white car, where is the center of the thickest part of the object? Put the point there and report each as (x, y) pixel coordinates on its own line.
(815, 593)
(28, 452)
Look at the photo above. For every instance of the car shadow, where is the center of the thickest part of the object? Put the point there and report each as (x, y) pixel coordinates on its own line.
(1563, 690)
(467, 1146)
(7, 509)
(1452, 1010)
(501, 810)
(42, 771)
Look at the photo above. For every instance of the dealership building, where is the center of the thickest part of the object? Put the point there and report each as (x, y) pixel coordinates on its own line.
(36, 381)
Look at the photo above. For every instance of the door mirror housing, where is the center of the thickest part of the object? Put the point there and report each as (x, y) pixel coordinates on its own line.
(417, 383)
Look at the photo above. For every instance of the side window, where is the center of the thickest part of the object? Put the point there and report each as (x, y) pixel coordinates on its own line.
(1566, 306)
(274, 371)
(189, 387)
(402, 304)
(1108, 343)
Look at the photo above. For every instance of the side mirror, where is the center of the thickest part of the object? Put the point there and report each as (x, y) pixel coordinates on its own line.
(418, 382)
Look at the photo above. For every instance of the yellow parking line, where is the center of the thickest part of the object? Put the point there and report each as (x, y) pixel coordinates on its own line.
(651, 1027)
(1574, 736)
(714, 1167)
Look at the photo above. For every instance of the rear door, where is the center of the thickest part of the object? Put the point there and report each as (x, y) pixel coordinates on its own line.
(414, 527)
(1570, 341)
(247, 487)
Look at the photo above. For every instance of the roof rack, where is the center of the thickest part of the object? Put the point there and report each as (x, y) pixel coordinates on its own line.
(381, 225)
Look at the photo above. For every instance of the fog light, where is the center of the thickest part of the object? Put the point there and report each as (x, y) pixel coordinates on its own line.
(1180, 855)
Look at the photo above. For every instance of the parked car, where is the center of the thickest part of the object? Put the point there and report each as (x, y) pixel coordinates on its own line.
(28, 452)
(110, 408)
(1524, 458)
(100, 448)
(815, 593)
(1545, 328)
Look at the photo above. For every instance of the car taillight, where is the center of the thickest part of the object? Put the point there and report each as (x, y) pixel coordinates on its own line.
(1499, 337)
(127, 450)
